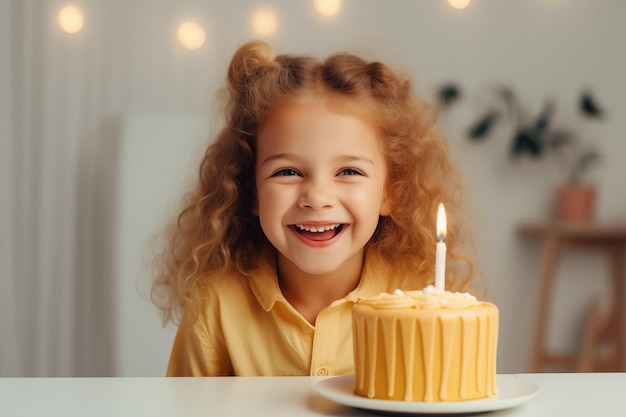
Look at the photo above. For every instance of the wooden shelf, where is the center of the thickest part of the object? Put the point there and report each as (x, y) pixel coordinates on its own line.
(603, 329)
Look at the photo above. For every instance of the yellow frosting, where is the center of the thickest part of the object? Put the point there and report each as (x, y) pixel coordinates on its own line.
(425, 346)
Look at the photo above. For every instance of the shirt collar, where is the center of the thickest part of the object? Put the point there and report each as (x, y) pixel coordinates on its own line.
(263, 280)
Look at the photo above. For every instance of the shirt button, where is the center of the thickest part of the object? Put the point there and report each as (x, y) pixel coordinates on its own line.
(323, 371)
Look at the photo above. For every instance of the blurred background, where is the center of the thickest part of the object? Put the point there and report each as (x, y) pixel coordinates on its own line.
(106, 106)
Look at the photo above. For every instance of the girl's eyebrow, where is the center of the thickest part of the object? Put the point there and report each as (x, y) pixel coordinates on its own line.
(350, 158)
(277, 156)
(346, 158)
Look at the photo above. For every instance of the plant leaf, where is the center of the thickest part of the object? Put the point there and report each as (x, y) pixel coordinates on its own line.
(529, 142)
(589, 106)
(585, 161)
(482, 127)
(448, 94)
(544, 117)
(506, 94)
(559, 138)
(589, 159)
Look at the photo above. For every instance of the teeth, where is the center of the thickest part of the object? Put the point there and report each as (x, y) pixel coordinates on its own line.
(319, 228)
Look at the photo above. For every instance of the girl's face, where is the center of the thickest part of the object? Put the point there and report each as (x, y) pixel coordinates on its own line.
(320, 179)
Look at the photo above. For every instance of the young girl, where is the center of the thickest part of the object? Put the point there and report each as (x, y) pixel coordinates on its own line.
(321, 189)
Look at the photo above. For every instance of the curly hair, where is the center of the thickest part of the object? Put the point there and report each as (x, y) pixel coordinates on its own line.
(217, 232)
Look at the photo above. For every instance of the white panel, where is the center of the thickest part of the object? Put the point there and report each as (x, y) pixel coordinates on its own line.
(159, 156)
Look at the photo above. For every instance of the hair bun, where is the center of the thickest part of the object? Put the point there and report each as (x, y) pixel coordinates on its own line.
(247, 60)
(376, 72)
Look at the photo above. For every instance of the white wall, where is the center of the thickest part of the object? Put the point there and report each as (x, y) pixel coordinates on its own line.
(128, 51)
(169, 147)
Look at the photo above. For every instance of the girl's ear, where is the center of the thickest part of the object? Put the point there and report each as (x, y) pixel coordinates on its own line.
(255, 206)
(385, 206)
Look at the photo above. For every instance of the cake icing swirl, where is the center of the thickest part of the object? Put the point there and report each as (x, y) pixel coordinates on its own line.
(428, 298)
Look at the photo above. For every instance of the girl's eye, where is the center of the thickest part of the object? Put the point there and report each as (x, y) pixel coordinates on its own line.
(287, 172)
(349, 171)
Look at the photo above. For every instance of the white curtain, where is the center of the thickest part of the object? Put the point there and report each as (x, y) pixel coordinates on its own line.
(62, 101)
(57, 179)
(8, 331)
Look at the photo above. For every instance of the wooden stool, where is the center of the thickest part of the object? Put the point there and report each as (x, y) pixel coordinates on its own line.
(602, 327)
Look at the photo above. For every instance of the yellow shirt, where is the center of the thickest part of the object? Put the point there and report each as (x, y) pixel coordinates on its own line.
(249, 328)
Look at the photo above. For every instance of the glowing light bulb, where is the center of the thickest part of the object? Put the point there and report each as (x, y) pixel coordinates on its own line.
(264, 23)
(327, 7)
(191, 35)
(71, 19)
(459, 4)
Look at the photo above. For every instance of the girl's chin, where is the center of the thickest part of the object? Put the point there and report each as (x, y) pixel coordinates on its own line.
(316, 270)
(328, 263)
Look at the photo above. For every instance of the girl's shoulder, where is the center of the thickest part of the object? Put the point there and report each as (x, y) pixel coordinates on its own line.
(235, 285)
(217, 285)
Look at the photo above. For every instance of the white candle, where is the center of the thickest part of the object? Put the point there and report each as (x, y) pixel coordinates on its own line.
(440, 259)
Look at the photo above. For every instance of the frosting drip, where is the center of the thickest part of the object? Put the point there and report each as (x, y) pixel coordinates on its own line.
(425, 346)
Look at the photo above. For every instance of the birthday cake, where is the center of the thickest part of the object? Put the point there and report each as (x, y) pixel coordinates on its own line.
(427, 345)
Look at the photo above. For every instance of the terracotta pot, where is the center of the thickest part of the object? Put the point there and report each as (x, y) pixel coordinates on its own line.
(576, 203)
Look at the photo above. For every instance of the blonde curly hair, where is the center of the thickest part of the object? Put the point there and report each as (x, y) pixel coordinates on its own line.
(217, 232)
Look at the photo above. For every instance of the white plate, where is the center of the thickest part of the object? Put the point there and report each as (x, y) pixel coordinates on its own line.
(512, 392)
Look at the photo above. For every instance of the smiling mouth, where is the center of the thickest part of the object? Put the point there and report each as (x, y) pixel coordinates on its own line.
(318, 233)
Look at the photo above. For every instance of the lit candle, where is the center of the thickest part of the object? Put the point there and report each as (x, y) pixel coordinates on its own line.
(440, 260)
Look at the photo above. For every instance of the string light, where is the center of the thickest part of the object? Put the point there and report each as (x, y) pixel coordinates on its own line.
(327, 7)
(264, 23)
(459, 4)
(191, 35)
(71, 19)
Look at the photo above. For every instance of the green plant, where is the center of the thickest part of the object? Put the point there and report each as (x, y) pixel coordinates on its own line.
(537, 135)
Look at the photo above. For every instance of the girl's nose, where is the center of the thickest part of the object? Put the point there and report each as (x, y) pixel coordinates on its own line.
(316, 195)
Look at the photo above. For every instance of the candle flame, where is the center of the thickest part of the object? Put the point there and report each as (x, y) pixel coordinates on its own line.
(441, 223)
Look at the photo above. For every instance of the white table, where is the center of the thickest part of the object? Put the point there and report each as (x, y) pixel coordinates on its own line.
(572, 395)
